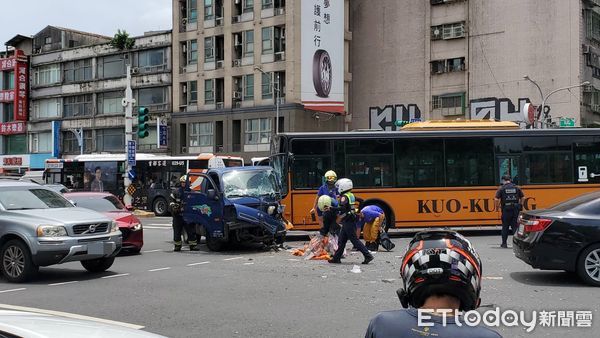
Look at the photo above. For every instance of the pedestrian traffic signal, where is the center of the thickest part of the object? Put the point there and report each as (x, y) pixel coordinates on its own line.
(142, 130)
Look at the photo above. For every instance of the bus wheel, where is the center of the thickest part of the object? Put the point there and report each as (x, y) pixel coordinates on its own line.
(160, 206)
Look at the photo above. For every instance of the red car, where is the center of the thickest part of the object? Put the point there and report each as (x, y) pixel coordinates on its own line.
(109, 205)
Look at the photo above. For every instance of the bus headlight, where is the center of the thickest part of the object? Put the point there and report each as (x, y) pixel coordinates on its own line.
(51, 231)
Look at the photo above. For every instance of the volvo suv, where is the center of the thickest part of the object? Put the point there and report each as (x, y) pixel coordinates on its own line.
(39, 227)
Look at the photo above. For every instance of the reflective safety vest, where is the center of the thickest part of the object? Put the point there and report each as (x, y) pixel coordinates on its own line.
(353, 204)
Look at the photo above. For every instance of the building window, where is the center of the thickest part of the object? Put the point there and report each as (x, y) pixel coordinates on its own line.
(111, 66)
(46, 75)
(249, 43)
(267, 4)
(41, 142)
(591, 98)
(152, 98)
(258, 131)
(249, 87)
(110, 103)
(209, 49)
(192, 14)
(110, 139)
(46, 108)
(8, 112)
(70, 144)
(267, 40)
(248, 6)
(448, 31)
(266, 85)
(8, 82)
(77, 71)
(593, 25)
(78, 106)
(450, 104)
(16, 144)
(208, 10)
(193, 52)
(201, 134)
(209, 91)
(151, 60)
(448, 65)
(193, 85)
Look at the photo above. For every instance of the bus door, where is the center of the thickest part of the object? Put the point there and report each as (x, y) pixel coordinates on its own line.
(508, 165)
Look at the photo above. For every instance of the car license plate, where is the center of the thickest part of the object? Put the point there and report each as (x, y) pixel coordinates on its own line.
(95, 249)
(521, 230)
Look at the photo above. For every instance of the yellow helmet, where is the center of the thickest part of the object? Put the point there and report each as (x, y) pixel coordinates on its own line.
(183, 178)
(323, 202)
(330, 176)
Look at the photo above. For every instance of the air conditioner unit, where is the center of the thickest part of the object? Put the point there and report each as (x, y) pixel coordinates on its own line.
(135, 70)
(436, 33)
(237, 63)
(220, 64)
(219, 105)
(595, 107)
(586, 49)
(280, 56)
(236, 19)
(183, 69)
(279, 11)
(237, 95)
(219, 21)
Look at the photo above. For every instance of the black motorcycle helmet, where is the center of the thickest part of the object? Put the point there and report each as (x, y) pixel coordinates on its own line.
(440, 262)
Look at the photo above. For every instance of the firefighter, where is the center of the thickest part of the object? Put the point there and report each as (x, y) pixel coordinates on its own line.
(179, 224)
(328, 188)
(371, 218)
(347, 213)
(509, 199)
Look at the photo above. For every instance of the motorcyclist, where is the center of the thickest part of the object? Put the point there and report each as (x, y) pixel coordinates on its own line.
(441, 273)
(176, 206)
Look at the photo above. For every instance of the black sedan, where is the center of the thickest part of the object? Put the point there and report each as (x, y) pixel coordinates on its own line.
(563, 237)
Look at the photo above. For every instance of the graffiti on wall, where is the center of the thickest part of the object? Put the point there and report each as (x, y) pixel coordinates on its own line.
(386, 117)
(501, 109)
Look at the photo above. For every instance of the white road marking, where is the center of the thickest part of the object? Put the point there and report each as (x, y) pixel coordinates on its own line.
(63, 283)
(114, 276)
(232, 258)
(156, 250)
(493, 278)
(251, 263)
(161, 228)
(13, 290)
(70, 315)
(200, 263)
(159, 269)
(164, 225)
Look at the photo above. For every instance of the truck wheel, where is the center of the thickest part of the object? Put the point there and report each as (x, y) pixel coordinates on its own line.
(160, 207)
(588, 265)
(214, 244)
(98, 264)
(17, 265)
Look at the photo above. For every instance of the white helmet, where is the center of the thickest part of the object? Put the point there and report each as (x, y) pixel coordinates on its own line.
(324, 201)
(344, 185)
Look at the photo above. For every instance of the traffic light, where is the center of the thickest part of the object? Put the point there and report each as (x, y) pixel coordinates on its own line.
(142, 129)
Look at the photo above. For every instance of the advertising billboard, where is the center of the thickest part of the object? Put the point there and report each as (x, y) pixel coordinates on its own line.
(322, 45)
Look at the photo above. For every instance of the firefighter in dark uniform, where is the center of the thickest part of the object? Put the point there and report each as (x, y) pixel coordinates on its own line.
(179, 224)
(509, 199)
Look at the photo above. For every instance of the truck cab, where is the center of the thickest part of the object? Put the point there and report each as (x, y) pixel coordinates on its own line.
(235, 204)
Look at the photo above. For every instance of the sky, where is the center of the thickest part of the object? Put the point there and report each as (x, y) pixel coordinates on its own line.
(28, 17)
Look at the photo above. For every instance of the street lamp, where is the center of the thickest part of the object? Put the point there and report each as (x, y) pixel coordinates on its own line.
(545, 98)
(278, 95)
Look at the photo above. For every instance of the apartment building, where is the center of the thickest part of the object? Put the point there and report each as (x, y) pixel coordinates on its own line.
(234, 61)
(466, 59)
(77, 85)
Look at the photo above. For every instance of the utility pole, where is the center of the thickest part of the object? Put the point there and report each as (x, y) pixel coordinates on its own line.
(277, 97)
(128, 103)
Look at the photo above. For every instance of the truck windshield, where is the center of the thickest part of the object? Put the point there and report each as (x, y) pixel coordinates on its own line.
(249, 183)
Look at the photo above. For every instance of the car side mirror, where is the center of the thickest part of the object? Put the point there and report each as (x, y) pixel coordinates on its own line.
(212, 194)
(129, 207)
(73, 202)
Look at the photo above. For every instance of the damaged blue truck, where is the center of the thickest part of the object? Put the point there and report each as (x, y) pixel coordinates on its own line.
(235, 205)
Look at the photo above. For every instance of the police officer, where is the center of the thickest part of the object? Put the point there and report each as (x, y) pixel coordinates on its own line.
(441, 272)
(509, 199)
(179, 224)
(347, 212)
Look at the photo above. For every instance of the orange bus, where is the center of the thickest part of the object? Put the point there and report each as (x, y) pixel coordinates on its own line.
(430, 177)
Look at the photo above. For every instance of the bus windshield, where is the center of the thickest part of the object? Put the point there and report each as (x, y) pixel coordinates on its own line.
(249, 183)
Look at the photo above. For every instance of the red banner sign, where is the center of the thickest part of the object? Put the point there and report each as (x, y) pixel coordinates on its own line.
(18, 95)
(12, 161)
(12, 128)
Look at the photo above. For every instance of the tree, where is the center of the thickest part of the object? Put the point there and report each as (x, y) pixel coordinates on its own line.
(122, 41)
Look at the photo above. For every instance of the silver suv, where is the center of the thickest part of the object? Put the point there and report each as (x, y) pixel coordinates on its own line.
(39, 227)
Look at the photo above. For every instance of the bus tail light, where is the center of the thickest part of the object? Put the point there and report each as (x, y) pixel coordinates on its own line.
(536, 224)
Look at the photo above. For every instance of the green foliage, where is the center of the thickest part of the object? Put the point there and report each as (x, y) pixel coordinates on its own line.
(122, 41)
